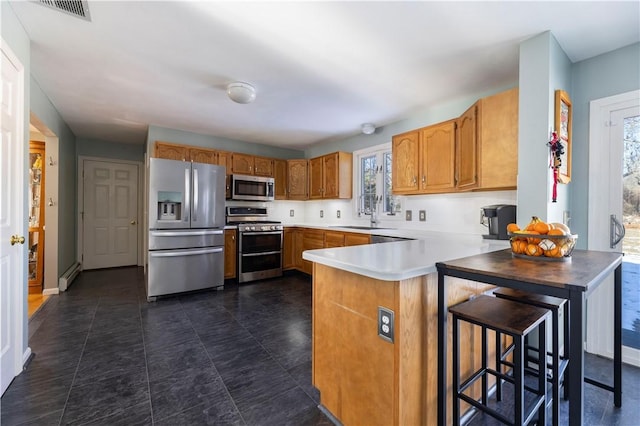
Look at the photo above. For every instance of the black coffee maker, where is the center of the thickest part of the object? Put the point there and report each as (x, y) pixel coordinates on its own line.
(496, 218)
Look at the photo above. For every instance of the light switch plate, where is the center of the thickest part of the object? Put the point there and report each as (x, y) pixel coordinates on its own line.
(291, 212)
(407, 215)
(422, 215)
(338, 214)
(321, 213)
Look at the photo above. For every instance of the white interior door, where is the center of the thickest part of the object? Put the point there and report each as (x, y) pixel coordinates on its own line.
(614, 152)
(110, 210)
(12, 224)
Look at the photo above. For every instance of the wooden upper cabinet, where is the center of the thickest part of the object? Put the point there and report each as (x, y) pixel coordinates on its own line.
(207, 156)
(298, 180)
(224, 159)
(467, 149)
(405, 157)
(315, 178)
(437, 157)
(242, 164)
(281, 176)
(263, 166)
(498, 140)
(171, 151)
(330, 176)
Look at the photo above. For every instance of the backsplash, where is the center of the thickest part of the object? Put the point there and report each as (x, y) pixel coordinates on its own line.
(456, 213)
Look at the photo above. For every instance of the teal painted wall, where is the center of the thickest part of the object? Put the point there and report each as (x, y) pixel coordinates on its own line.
(157, 133)
(42, 107)
(17, 41)
(609, 74)
(113, 150)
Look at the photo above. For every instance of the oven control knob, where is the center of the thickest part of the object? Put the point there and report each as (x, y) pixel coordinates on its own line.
(273, 227)
(252, 228)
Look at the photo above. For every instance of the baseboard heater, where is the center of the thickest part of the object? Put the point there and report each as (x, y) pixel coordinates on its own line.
(65, 280)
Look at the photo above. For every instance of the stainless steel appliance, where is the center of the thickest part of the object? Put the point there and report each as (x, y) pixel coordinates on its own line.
(496, 218)
(252, 188)
(186, 227)
(259, 243)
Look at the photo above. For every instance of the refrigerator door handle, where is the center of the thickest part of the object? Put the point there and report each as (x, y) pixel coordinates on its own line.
(184, 253)
(195, 195)
(187, 193)
(186, 233)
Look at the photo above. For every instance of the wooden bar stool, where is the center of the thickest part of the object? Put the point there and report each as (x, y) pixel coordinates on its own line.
(558, 362)
(512, 319)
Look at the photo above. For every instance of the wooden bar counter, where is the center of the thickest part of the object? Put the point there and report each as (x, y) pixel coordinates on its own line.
(364, 378)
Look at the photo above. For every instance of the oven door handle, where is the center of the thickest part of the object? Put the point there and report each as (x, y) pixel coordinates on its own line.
(262, 233)
(263, 253)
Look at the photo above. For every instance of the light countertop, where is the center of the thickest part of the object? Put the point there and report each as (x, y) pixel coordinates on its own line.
(402, 259)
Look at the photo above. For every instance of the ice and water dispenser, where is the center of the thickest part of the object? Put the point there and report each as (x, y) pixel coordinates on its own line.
(169, 206)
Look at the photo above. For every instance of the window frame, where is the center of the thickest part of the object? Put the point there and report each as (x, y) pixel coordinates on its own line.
(379, 151)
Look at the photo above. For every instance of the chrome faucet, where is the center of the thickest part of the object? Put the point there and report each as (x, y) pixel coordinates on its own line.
(374, 212)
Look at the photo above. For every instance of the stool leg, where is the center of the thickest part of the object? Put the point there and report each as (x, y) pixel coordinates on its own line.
(485, 357)
(456, 372)
(518, 377)
(555, 368)
(498, 366)
(565, 352)
(542, 372)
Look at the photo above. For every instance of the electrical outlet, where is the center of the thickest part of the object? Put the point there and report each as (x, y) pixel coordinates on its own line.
(321, 213)
(291, 213)
(422, 215)
(338, 214)
(385, 324)
(407, 215)
(566, 217)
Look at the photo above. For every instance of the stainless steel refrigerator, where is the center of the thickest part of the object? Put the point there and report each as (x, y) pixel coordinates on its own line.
(186, 227)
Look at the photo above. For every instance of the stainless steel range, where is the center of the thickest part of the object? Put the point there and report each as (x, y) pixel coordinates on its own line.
(259, 243)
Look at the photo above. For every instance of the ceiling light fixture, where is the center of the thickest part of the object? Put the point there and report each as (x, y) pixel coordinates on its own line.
(242, 93)
(368, 128)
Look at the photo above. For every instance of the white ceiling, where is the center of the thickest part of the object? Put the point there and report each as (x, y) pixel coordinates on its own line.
(321, 69)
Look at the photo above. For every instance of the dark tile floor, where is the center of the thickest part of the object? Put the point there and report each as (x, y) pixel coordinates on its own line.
(104, 356)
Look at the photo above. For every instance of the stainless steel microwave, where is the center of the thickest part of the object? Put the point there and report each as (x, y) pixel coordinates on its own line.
(252, 188)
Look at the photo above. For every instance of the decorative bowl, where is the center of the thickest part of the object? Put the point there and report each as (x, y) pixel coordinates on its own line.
(542, 247)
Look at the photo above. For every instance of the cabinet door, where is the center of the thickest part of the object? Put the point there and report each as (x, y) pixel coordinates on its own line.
(263, 166)
(499, 140)
(467, 149)
(316, 182)
(242, 164)
(353, 239)
(438, 145)
(330, 176)
(172, 151)
(230, 253)
(405, 162)
(312, 239)
(206, 156)
(288, 249)
(298, 246)
(224, 159)
(280, 176)
(298, 180)
(334, 239)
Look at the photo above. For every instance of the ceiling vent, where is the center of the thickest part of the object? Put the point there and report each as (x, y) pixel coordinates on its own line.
(77, 8)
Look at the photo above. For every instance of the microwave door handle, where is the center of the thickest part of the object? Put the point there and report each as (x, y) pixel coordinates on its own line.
(195, 194)
(187, 193)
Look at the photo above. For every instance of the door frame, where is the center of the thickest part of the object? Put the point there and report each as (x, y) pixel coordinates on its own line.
(18, 293)
(80, 233)
(599, 338)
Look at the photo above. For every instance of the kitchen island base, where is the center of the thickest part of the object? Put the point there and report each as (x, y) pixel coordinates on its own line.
(366, 379)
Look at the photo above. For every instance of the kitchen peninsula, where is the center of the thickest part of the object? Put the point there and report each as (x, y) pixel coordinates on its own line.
(361, 375)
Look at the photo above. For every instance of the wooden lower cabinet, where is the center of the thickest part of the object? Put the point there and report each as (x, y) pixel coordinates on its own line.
(288, 253)
(353, 239)
(230, 253)
(311, 239)
(364, 379)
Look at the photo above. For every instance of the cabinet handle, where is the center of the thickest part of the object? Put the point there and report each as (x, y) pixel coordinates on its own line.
(233, 238)
(415, 180)
(424, 181)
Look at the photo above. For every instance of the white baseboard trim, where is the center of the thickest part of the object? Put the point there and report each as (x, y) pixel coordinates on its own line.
(25, 356)
(49, 291)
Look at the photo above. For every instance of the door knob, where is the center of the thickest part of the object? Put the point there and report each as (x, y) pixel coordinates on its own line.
(133, 222)
(16, 239)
